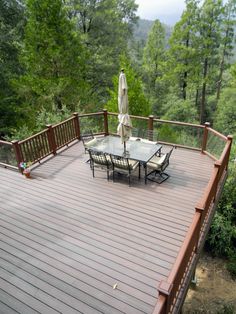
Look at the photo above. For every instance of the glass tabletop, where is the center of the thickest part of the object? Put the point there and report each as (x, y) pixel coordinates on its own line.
(136, 150)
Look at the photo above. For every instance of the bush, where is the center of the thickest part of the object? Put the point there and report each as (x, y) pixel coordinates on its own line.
(220, 238)
(231, 266)
(227, 309)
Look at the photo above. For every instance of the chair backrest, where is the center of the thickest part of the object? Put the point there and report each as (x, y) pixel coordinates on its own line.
(87, 136)
(166, 161)
(98, 157)
(120, 162)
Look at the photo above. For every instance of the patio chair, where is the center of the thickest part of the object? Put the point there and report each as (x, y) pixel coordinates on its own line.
(100, 160)
(88, 140)
(158, 164)
(124, 165)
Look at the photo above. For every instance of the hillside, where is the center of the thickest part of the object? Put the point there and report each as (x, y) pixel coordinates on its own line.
(143, 27)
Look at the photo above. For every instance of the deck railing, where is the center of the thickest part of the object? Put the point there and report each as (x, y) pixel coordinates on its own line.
(171, 290)
(191, 136)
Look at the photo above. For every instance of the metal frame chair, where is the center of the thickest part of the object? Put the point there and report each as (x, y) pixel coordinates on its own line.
(100, 160)
(159, 164)
(124, 165)
(88, 139)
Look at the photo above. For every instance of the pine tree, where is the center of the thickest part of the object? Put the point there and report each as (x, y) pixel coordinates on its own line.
(52, 56)
(183, 66)
(210, 35)
(11, 30)
(153, 61)
(105, 27)
(226, 47)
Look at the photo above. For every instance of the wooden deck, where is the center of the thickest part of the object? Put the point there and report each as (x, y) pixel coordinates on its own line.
(67, 239)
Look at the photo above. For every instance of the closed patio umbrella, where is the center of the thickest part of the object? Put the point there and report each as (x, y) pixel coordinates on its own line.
(125, 126)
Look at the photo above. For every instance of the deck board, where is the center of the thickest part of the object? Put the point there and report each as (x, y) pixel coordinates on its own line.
(67, 238)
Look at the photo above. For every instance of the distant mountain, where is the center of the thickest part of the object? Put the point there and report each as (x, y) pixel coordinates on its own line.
(143, 28)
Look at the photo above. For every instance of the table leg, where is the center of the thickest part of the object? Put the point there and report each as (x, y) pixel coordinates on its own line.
(145, 173)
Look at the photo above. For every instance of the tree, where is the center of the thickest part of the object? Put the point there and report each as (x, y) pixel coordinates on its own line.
(227, 41)
(225, 115)
(183, 66)
(153, 60)
(11, 29)
(53, 58)
(105, 27)
(210, 34)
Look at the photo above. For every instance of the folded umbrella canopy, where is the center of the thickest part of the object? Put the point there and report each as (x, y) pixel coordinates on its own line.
(125, 126)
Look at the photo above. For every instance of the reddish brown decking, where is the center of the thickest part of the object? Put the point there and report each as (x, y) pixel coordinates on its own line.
(67, 239)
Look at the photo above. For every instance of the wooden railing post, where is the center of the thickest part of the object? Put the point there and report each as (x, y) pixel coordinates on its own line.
(105, 114)
(165, 291)
(51, 139)
(205, 136)
(77, 126)
(217, 165)
(200, 210)
(230, 139)
(18, 154)
(150, 127)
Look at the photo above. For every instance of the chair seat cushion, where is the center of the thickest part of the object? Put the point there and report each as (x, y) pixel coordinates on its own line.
(156, 162)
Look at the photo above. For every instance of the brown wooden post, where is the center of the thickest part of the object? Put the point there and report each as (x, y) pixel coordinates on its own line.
(205, 136)
(18, 154)
(230, 139)
(164, 289)
(200, 210)
(217, 165)
(105, 114)
(150, 128)
(51, 139)
(77, 126)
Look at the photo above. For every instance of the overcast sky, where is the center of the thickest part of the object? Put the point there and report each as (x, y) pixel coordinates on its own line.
(167, 11)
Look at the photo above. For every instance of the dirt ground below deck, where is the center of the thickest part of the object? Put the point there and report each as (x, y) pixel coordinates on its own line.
(215, 291)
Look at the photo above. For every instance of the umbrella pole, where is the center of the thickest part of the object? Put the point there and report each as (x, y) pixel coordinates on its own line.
(124, 146)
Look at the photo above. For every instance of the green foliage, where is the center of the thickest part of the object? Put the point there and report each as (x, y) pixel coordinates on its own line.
(227, 203)
(11, 30)
(225, 116)
(227, 308)
(43, 118)
(168, 134)
(200, 46)
(183, 68)
(180, 110)
(231, 266)
(53, 58)
(153, 63)
(220, 238)
(105, 27)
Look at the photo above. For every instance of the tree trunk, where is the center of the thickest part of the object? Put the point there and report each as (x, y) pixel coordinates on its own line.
(196, 98)
(184, 88)
(222, 63)
(203, 99)
(58, 102)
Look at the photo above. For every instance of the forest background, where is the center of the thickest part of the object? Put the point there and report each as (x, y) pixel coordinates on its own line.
(62, 56)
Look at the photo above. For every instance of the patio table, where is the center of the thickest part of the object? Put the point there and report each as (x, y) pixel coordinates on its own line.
(135, 149)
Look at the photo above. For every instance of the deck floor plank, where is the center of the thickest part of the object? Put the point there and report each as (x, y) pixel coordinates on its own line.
(67, 238)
